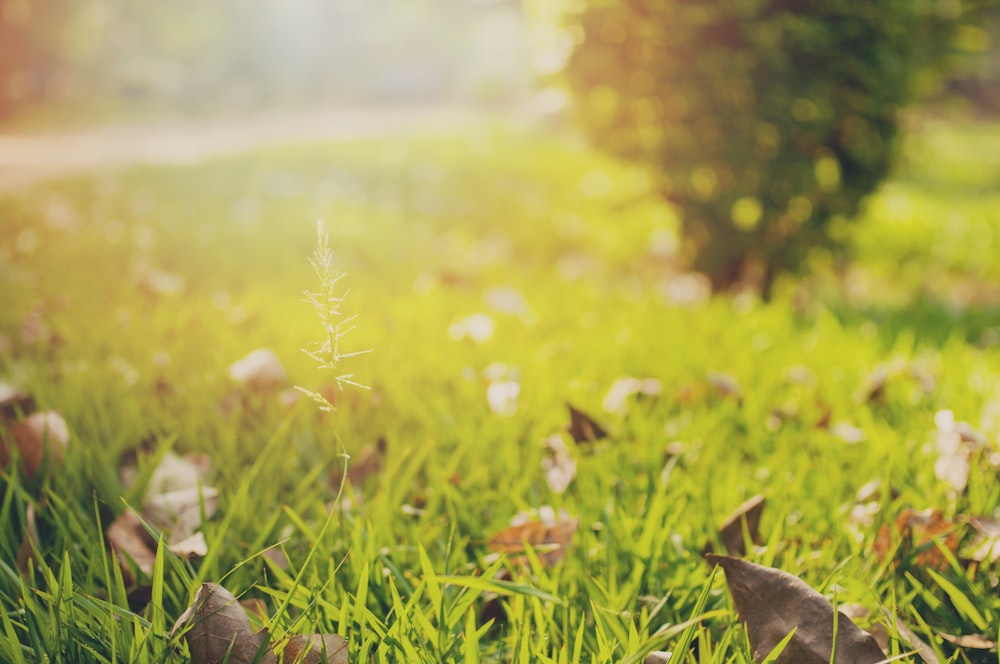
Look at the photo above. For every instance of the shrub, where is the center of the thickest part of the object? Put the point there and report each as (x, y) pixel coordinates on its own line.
(766, 120)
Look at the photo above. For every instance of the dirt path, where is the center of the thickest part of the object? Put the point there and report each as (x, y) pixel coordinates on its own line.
(28, 158)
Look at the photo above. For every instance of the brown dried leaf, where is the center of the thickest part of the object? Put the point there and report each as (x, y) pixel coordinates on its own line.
(132, 544)
(919, 533)
(731, 531)
(39, 437)
(14, 403)
(316, 649)
(548, 536)
(218, 629)
(583, 428)
(772, 603)
(955, 444)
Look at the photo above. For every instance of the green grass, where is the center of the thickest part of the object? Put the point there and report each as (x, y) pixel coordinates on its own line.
(425, 227)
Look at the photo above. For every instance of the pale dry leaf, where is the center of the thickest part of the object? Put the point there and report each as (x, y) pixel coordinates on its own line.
(29, 544)
(217, 628)
(986, 545)
(558, 464)
(772, 603)
(658, 657)
(175, 473)
(316, 649)
(193, 546)
(180, 512)
(953, 462)
(131, 543)
(259, 371)
(502, 397)
(622, 391)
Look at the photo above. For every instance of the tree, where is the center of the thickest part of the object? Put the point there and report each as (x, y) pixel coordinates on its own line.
(767, 121)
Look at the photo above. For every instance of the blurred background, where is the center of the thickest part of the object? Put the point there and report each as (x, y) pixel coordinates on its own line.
(63, 60)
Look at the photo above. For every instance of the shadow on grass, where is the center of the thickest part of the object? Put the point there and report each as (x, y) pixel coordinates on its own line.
(928, 320)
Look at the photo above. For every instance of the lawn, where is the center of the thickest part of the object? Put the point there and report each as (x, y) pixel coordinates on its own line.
(497, 276)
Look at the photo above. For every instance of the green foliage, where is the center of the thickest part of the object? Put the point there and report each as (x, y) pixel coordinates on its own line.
(767, 121)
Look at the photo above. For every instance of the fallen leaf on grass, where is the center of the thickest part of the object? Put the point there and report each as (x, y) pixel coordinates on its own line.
(364, 464)
(502, 397)
(259, 371)
(880, 632)
(726, 386)
(919, 534)
(558, 464)
(625, 388)
(14, 403)
(26, 552)
(583, 428)
(970, 641)
(731, 533)
(218, 629)
(658, 657)
(39, 438)
(986, 545)
(773, 603)
(132, 545)
(955, 444)
(316, 649)
(548, 533)
(180, 512)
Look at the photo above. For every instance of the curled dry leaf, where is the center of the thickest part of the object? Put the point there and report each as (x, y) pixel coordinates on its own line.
(175, 473)
(558, 464)
(772, 603)
(193, 546)
(955, 444)
(986, 545)
(583, 428)
(259, 371)
(365, 464)
(14, 403)
(29, 544)
(180, 512)
(919, 534)
(218, 629)
(731, 533)
(131, 544)
(316, 649)
(549, 534)
(658, 657)
(38, 438)
(625, 388)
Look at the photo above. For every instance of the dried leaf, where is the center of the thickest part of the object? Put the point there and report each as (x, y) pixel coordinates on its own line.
(583, 428)
(954, 448)
(194, 546)
(176, 473)
(986, 546)
(919, 533)
(14, 403)
(558, 464)
(132, 544)
(549, 534)
(731, 531)
(218, 629)
(26, 552)
(624, 388)
(772, 603)
(39, 437)
(502, 397)
(316, 649)
(259, 371)
(364, 464)
(970, 641)
(848, 433)
(725, 385)
(180, 511)
(658, 657)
